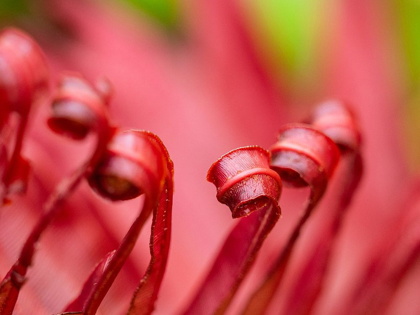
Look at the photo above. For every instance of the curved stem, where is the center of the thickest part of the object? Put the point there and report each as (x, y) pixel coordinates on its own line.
(234, 261)
(15, 278)
(117, 261)
(16, 275)
(158, 200)
(146, 293)
(12, 166)
(52, 207)
(94, 291)
(308, 287)
(261, 298)
(18, 144)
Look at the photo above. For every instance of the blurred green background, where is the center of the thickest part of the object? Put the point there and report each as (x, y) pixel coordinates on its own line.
(293, 36)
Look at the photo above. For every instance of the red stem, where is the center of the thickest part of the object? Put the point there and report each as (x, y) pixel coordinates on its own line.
(234, 260)
(89, 286)
(52, 208)
(146, 294)
(158, 200)
(18, 146)
(308, 287)
(261, 298)
(15, 278)
(117, 261)
(16, 275)
(13, 163)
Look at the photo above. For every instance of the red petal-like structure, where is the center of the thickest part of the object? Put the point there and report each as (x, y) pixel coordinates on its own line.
(303, 156)
(77, 108)
(251, 189)
(144, 166)
(336, 120)
(9, 287)
(25, 74)
(24, 79)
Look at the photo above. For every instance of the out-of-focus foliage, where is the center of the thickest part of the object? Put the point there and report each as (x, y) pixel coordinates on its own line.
(412, 124)
(409, 39)
(165, 12)
(409, 18)
(13, 8)
(292, 31)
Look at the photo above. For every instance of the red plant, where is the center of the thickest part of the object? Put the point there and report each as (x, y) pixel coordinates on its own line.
(136, 162)
(124, 165)
(302, 156)
(205, 94)
(24, 81)
(251, 189)
(337, 121)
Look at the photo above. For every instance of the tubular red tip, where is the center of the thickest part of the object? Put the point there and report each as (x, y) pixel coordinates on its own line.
(336, 119)
(24, 75)
(77, 107)
(304, 156)
(131, 165)
(244, 180)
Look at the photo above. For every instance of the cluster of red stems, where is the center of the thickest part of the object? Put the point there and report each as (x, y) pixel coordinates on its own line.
(129, 163)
